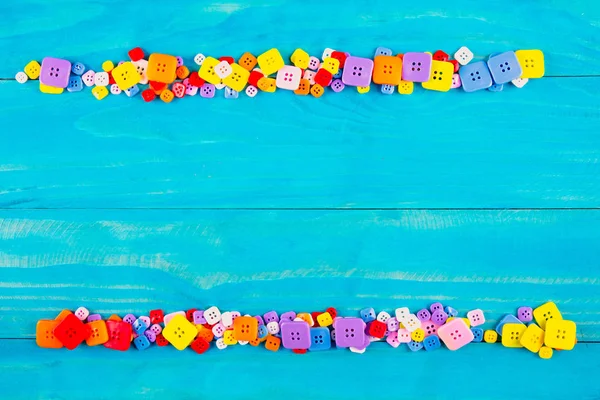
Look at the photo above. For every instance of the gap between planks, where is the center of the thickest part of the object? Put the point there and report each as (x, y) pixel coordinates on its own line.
(300, 208)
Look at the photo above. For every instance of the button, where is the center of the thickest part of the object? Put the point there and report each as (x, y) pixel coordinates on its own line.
(288, 77)
(21, 77)
(55, 72)
(533, 338)
(162, 68)
(560, 334)
(525, 314)
(44, 334)
(455, 334)
(295, 335)
(350, 332)
(387, 70)
(416, 67)
(490, 336)
(180, 332)
(546, 312)
(33, 69)
(126, 75)
(532, 63)
(511, 334)
(476, 317)
(320, 339)
(270, 62)
(100, 92)
(245, 328)
(247, 61)
(440, 78)
(463, 55)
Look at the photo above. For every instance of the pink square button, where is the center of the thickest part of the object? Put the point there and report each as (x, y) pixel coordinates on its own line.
(288, 77)
(476, 317)
(455, 334)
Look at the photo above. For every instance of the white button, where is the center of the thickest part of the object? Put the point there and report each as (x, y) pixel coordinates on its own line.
(212, 315)
(114, 89)
(101, 79)
(251, 91)
(21, 77)
(383, 316)
(402, 313)
(463, 55)
(199, 59)
(520, 82)
(223, 69)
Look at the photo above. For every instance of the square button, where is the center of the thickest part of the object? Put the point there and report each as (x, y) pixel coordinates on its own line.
(71, 332)
(387, 70)
(55, 72)
(512, 333)
(126, 75)
(162, 68)
(533, 338)
(320, 339)
(546, 312)
(357, 71)
(475, 76)
(119, 335)
(455, 334)
(532, 63)
(560, 334)
(98, 333)
(350, 332)
(270, 62)
(416, 67)
(441, 76)
(288, 77)
(180, 332)
(245, 328)
(504, 67)
(295, 335)
(238, 78)
(44, 334)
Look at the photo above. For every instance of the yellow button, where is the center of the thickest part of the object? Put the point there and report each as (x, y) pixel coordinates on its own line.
(229, 338)
(363, 89)
(126, 75)
(490, 336)
(532, 63)
(324, 319)
(545, 353)
(300, 58)
(267, 85)
(533, 338)
(32, 69)
(406, 87)
(238, 78)
(440, 78)
(418, 335)
(270, 62)
(108, 66)
(50, 89)
(546, 312)
(180, 332)
(331, 64)
(207, 71)
(100, 92)
(560, 334)
(511, 335)
(167, 96)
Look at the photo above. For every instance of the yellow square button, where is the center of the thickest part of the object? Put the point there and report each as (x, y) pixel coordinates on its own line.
(126, 75)
(440, 78)
(533, 338)
(180, 332)
(532, 63)
(270, 62)
(238, 78)
(207, 71)
(560, 334)
(406, 87)
(32, 69)
(511, 334)
(546, 312)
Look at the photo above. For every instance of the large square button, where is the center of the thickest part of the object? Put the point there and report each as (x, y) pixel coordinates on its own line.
(504, 67)
(71, 332)
(387, 70)
(126, 75)
(560, 334)
(475, 76)
(440, 78)
(532, 63)
(416, 67)
(180, 332)
(270, 62)
(357, 71)
(44, 334)
(162, 68)
(55, 72)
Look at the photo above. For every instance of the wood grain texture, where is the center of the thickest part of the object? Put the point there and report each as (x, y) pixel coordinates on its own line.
(160, 373)
(121, 261)
(534, 147)
(139, 197)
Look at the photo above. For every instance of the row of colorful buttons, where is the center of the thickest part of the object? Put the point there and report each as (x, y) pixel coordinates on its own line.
(386, 70)
(231, 328)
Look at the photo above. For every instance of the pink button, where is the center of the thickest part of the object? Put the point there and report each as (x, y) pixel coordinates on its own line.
(455, 334)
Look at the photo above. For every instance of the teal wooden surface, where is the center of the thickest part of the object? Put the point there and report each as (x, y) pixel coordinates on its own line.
(293, 203)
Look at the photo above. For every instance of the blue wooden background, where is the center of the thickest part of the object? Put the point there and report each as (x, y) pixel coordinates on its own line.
(476, 200)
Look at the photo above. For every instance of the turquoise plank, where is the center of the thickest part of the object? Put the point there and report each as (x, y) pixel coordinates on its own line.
(93, 31)
(252, 261)
(534, 147)
(478, 371)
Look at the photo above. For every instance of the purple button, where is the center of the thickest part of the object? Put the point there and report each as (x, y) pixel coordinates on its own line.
(424, 315)
(350, 332)
(416, 67)
(357, 71)
(295, 335)
(208, 91)
(55, 72)
(439, 317)
(151, 336)
(287, 316)
(94, 317)
(337, 85)
(129, 318)
(156, 328)
(271, 316)
(198, 316)
(260, 320)
(436, 306)
(392, 324)
(525, 314)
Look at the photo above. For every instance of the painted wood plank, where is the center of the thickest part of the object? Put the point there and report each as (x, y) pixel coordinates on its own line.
(534, 147)
(122, 261)
(106, 29)
(486, 371)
